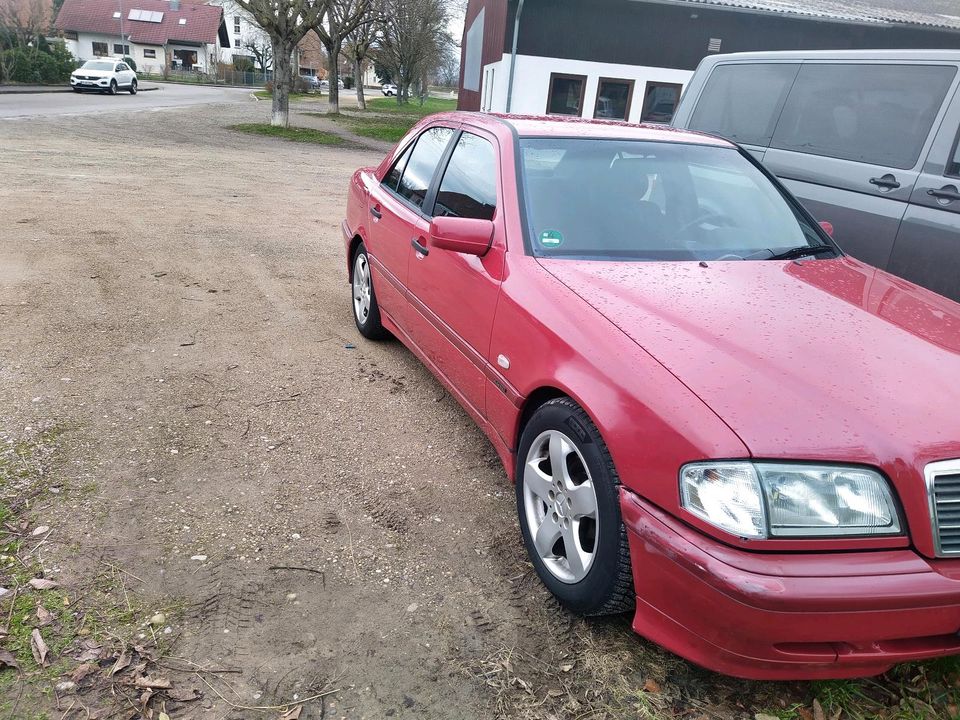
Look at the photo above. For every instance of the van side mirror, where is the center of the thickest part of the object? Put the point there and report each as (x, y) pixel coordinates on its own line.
(462, 235)
(827, 227)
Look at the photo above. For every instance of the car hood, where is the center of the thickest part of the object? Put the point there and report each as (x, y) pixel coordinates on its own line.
(817, 359)
(93, 73)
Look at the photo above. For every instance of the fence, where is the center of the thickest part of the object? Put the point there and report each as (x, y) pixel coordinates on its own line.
(224, 76)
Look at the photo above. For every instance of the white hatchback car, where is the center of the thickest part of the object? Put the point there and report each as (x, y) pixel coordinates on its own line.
(107, 75)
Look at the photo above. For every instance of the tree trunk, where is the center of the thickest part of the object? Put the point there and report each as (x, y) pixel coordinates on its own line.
(361, 100)
(333, 74)
(282, 81)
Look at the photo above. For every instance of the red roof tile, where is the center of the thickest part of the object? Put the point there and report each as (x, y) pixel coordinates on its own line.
(203, 22)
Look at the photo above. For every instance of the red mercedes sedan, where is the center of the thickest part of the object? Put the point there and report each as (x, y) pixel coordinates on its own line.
(713, 417)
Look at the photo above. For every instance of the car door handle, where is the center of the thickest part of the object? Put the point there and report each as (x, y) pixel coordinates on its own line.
(419, 247)
(375, 211)
(887, 182)
(947, 193)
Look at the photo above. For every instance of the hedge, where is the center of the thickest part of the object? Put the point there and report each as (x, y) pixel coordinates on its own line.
(36, 66)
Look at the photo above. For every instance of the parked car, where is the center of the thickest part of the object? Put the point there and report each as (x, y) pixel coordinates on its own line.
(866, 139)
(312, 81)
(713, 416)
(388, 89)
(104, 75)
(325, 84)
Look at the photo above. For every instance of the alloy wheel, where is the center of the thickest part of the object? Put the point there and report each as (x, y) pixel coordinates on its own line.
(560, 504)
(361, 288)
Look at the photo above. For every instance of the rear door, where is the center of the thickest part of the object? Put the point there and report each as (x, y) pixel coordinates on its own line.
(453, 296)
(850, 142)
(927, 250)
(397, 217)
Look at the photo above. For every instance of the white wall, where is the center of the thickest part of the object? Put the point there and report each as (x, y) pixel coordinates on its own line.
(531, 84)
(249, 31)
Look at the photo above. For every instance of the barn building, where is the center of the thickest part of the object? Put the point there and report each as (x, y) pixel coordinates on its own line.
(630, 59)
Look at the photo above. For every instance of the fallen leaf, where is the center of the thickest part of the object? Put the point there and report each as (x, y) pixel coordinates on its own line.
(43, 583)
(554, 693)
(145, 697)
(81, 671)
(90, 651)
(839, 712)
(163, 716)
(764, 716)
(805, 714)
(183, 694)
(44, 616)
(818, 711)
(160, 683)
(39, 648)
(122, 662)
(651, 686)
(8, 660)
(566, 667)
(291, 714)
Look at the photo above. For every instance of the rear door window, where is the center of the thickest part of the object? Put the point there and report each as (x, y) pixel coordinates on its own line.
(876, 114)
(422, 165)
(742, 102)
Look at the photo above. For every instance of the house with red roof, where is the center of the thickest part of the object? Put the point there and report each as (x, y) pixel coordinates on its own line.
(157, 34)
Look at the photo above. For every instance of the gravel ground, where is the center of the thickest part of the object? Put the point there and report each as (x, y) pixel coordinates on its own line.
(323, 513)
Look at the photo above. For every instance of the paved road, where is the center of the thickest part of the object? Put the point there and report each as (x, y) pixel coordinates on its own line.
(169, 95)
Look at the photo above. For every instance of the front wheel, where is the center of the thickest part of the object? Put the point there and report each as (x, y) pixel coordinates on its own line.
(569, 506)
(113, 87)
(366, 311)
(133, 87)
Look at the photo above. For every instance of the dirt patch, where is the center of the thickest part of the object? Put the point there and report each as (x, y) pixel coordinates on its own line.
(332, 527)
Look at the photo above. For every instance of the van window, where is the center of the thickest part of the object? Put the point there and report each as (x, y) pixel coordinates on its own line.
(877, 114)
(742, 102)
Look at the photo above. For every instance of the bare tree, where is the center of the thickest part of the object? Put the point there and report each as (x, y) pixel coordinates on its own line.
(27, 20)
(262, 53)
(286, 22)
(357, 48)
(412, 42)
(342, 18)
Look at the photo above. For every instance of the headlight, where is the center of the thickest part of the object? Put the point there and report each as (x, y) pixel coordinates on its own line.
(759, 500)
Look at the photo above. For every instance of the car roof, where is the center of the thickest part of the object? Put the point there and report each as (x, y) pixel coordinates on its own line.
(564, 126)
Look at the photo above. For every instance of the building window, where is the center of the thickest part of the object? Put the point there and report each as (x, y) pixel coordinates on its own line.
(236, 25)
(100, 49)
(149, 53)
(659, 102)
(714, 45)
(566, 94)
(119, 49)
(613, 99)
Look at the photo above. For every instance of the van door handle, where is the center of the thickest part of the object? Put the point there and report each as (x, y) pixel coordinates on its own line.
(375, 211)
(887, 182)
(948, 193)
(419, 247)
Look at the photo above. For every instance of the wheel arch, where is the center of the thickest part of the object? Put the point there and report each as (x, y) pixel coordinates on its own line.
(539, 397)
(351, 251)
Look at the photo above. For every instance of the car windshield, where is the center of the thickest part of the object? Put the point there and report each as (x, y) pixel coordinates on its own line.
(97, 65)
(643, 200)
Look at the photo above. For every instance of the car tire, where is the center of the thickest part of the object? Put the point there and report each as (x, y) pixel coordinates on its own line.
(76, 89)
(133, 87)
(113, 87)
(366, 311)
(574, 513)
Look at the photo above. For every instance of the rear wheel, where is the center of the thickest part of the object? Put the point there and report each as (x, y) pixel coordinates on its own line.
(366, 311)
(569, 506)
(133, 87)
(113, 87)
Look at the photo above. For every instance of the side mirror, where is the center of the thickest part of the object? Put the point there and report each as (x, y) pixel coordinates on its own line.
(827, 227)
(463, 235)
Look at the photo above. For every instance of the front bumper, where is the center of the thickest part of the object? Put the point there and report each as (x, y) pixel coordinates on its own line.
(98, 84)
(786, 616)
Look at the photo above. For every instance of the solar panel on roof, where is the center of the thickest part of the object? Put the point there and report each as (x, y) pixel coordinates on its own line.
(145, 16)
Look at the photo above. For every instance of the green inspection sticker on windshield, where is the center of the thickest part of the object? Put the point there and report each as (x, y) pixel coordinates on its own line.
(551, 238)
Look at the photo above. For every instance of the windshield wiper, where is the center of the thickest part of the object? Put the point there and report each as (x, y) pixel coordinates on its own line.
(803, 251)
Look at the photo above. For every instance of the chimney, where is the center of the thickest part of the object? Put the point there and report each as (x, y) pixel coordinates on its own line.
(174, 4)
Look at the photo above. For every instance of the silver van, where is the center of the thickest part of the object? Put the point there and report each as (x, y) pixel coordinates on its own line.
(867, 139)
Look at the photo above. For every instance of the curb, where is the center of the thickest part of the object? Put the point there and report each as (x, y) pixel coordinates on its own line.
(51, 91)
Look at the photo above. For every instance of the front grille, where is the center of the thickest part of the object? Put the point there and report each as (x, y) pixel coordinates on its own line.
(943, 486)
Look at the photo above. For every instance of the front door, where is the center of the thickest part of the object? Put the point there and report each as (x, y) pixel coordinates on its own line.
(453, 296)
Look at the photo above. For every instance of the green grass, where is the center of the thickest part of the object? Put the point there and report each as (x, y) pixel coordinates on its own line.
(388, 129)
(297, 134)
(431, 105)
(266, 95)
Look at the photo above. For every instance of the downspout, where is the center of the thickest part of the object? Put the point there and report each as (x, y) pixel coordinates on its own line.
(513, 54)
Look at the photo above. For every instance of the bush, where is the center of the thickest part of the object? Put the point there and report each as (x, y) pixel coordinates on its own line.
(243, 64)
(34, 66)
(347, 82)
(130, 61)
